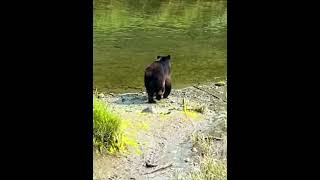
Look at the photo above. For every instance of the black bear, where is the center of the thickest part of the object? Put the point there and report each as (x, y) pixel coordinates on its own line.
(157, 78)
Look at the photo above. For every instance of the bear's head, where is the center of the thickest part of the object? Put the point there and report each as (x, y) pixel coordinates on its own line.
(163, 58)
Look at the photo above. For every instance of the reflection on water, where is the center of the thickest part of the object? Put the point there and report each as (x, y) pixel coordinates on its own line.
(128, 35)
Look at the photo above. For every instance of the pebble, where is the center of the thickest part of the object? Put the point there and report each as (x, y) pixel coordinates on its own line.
(219, 84)
(150, 109)
(194, 149)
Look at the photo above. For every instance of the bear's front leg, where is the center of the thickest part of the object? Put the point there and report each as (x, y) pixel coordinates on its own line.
(150, 98)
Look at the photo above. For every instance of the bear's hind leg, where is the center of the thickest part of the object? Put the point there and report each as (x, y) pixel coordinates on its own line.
(160, 93)
(167, 88)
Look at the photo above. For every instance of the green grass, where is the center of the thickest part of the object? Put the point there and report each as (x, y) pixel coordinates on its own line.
(112, 133)
(107, 134)
(210, 169)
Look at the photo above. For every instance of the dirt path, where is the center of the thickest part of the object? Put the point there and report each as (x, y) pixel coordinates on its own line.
(165, 144)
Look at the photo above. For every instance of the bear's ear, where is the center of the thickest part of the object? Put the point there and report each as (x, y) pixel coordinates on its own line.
(168, 56)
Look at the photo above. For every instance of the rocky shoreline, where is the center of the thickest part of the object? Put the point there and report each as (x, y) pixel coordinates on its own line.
(168, 139)
(211, 96)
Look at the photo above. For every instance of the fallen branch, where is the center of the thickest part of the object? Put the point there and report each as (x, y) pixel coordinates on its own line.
(209, 93)
(160, 169)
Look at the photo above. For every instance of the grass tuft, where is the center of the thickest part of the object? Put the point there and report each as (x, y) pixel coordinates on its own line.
(111, 133)
(107, 134)
(212, 152)
(209, 169)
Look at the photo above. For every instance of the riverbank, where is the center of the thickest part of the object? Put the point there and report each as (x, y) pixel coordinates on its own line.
(165, 132)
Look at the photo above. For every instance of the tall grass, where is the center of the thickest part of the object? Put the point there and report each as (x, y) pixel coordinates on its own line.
(107, 134)
(213, 154)
(210, 169)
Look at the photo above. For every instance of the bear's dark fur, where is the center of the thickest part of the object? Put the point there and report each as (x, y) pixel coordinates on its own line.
(157, 78)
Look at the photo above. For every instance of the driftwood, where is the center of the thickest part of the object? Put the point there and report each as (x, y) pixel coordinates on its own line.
(209, 93)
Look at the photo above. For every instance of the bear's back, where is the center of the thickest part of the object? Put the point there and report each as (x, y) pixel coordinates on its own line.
(154, 68)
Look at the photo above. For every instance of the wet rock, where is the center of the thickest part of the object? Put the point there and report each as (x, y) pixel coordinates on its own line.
(149, 109)
(101, 95)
